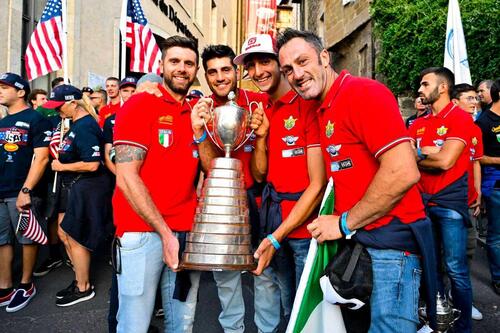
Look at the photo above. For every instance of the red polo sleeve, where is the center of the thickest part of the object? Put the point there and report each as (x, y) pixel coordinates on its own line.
(459, 127)
(374, 116)
(134, 122)
(477, 142)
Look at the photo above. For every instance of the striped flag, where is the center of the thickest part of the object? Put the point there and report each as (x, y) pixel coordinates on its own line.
(30, 228)
(44, 51)
(310, 313)
(55, 141)
(145, 53)
(455, 50)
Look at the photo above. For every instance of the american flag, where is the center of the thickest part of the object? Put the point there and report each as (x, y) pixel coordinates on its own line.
(30, 228)
(44, 51)
(55, 141)
(145, 53)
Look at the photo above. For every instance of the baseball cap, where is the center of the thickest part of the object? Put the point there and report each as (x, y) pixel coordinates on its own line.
(150, 77)
(62, 94)
(87, 89)
(261, 43)
(15, 81)
(128, 81)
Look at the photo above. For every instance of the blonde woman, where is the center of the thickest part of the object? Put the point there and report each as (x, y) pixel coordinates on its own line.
(84, 201)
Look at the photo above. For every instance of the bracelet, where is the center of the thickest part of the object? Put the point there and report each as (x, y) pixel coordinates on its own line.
(274, 241)
(201, 139)
(343, 226)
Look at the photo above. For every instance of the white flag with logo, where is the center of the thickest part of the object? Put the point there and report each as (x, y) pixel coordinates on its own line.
(455, 52)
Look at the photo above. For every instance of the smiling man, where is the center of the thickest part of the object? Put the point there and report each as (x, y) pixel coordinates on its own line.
(368, 154)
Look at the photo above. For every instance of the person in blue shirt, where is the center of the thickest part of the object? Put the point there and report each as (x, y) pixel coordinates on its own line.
(84, 201)
(24, 140)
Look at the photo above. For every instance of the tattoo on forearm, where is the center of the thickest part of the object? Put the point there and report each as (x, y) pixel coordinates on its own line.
(126, 153)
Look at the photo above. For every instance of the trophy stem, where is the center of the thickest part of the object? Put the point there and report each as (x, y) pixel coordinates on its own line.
(227, 149)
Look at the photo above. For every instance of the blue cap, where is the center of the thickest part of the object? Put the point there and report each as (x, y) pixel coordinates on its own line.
(128, 81)
(15, 81)
(62, 94)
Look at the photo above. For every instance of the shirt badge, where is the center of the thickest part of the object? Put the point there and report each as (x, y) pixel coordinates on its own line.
(290, 122)
(165, 137)
(290, 140)
(10, 147)
(474, 141)
(495, 129)
(341, 165)
(442, 131)
(292, 152)
(438, 142)
(96, 151)
(333, 150)
(168, 119)
(498, 137)
(421, 131)
(329, 129)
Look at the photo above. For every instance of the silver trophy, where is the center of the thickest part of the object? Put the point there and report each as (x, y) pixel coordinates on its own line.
(446, 316)
(221, 238)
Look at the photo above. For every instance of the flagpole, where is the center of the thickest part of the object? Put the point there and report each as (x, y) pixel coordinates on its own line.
(123, 38)
(65, 41)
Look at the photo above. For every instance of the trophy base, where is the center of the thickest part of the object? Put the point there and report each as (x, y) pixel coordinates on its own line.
(218, 262)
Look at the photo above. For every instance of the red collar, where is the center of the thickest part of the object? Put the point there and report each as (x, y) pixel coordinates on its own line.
(334, 90)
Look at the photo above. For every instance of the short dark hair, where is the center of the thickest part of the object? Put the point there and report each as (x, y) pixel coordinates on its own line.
(56, 81)
(495, 91)
(179, 41)
(461, 88)
(442, 73)
(113, 78)
(310, 37)
(34, 93)
(217, 51)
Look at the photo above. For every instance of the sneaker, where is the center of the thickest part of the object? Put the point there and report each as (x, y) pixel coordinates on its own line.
(68, 263)
(48, 265)
(425, 329)
(66, 291)
(76, 296)
(7, 296)
(21, 298)
(476, 314)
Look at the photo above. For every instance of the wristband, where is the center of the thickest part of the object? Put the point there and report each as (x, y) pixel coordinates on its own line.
(420, 155)
(343, 226)
(274, 241)
(201, 139)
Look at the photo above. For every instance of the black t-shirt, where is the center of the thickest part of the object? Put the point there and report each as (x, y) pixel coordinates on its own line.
(108, 129)
(83, 142)
(489, 123)
(20, 134)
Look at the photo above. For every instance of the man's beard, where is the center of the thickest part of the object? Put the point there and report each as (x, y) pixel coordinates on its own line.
(433, 97)
(177, 89)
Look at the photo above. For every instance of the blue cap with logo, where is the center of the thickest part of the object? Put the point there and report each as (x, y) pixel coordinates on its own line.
(15, 81)
(62, 94)
(128, 81)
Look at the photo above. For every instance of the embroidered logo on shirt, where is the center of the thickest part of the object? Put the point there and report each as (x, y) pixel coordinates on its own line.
(247, 148)
(442, 131)
(341, 165)
(438, 142)
(290, 122)
(421, 131)
(495, 129)
(165, 137)
(10, 147)
(474, 141)
(498, 137)
(22, 124)
(292, 152)
(169, 120)
(333, 150)
(329, 129)
(96, 151)
(48, 135)
(290, 140)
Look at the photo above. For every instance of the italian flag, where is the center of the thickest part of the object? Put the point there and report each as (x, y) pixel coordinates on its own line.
(310, 313)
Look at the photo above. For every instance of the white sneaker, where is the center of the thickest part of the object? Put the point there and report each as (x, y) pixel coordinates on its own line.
(476, 314)
(425, 329)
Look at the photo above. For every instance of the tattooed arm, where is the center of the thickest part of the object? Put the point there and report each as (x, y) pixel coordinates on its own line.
(129, 160)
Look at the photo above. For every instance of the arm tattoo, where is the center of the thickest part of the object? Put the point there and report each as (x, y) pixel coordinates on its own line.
(125, 153)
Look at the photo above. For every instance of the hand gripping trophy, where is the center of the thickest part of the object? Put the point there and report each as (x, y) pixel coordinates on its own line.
(221, 238)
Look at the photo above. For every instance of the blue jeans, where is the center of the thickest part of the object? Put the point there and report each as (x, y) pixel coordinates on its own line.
(493, 236)
(267, 302)
(142, 269)
(232, 315)
(293, 254)
(394, 299)
(451, 246)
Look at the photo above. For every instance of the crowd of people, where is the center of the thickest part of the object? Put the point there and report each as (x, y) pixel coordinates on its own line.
(125, 161)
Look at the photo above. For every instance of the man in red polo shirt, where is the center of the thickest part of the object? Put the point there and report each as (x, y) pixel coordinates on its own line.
(442, 141)
(222, 76)
(368, 153)
(114, 103)
(288, 156)
(157, 161)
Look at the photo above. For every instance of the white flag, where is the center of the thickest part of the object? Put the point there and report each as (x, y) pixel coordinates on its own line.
(455, 52)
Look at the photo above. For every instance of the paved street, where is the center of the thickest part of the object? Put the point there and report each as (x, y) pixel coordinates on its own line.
(42, 315)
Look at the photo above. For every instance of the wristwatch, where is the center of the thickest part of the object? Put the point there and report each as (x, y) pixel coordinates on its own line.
(26, 190)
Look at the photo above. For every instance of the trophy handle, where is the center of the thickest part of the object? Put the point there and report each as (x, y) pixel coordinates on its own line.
(250, 112)
(210, 111)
